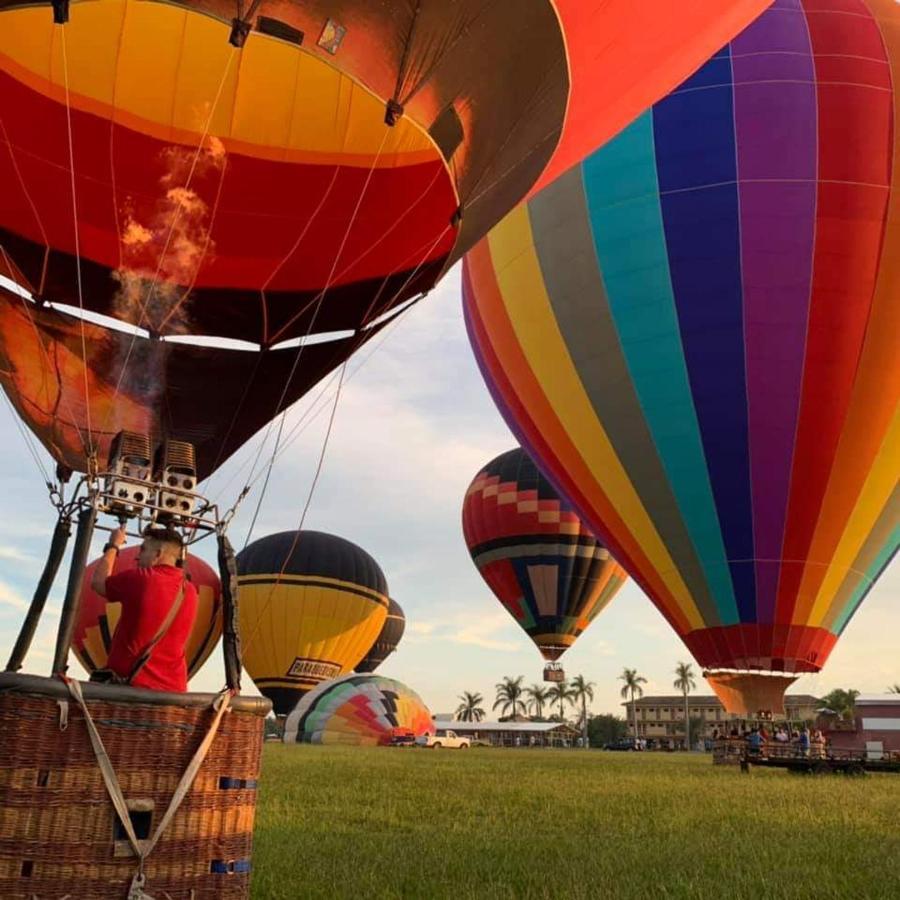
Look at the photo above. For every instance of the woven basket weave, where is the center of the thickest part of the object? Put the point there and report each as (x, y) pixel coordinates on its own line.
(59, 833)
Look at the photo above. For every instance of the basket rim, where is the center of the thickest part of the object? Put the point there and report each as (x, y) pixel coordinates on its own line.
(55, 688)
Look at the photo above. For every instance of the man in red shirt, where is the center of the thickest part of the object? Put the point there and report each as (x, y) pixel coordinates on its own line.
(148, 594)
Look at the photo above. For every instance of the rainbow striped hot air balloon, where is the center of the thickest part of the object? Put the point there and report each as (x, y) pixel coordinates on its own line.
(695, 333)
(358, 710)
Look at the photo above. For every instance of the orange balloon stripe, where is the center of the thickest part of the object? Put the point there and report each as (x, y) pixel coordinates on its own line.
(532, 407)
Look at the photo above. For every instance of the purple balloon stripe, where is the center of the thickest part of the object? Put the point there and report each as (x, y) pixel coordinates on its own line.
(776, 126)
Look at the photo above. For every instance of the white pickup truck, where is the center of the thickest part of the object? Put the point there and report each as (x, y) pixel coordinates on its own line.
(444, 737)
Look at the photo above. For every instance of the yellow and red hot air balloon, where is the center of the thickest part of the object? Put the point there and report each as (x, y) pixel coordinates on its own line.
(547, 569)
(98, 618)
(301, 173)
(311, 607)
(695, 333)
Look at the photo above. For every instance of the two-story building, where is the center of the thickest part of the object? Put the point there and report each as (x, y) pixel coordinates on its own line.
(661, 718)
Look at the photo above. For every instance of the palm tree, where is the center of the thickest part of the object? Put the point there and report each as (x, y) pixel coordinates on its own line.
(539, 696)
(582, 690)
(559, 692)
(894, 688)
(509, 696)
(684, 682)
(841, 701)
(469, 710)
(632, 686)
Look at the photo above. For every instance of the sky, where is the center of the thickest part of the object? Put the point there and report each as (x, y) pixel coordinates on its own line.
(413, 425)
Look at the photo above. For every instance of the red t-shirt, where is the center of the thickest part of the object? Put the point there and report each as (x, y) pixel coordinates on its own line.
(147, 596)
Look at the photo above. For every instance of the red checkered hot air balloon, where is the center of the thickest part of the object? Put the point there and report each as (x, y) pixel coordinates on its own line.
(546, 568)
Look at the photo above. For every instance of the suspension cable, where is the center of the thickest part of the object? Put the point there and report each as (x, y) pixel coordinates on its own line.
(78, 278)
(248, 642)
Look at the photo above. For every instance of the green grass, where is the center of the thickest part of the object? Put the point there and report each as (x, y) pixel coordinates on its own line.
(365, 823)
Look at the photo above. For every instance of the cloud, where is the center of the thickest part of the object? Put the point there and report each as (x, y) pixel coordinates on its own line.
(10, 597)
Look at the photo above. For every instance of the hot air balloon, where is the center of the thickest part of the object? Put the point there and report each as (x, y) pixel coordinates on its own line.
(312, 605)
(358, 710)
(291, 179)
(97, 619)
(549, 572)
(387, 640)
(695, 333)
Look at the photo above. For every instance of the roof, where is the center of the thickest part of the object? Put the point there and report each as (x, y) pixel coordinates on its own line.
(712, 700)
(504, 726)
(877, 700)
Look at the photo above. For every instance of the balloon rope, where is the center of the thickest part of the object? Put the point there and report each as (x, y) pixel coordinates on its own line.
(78, 281)
(292, 436)
(301, 425)
(337, 396)
(62, 399)
(152, 288)
(29, 441)
(318, 306)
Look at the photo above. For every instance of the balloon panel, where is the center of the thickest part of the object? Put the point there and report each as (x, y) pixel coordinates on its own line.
(97, 619)
(358, 710)
(549, 572)
(694, 333)
(315, 621)
(387, 640)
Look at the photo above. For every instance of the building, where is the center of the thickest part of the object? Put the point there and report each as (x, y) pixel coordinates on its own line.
(661, 718)
(875, 728)
(515, 734)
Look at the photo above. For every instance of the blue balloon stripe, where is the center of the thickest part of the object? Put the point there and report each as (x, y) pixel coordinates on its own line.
(696, 160)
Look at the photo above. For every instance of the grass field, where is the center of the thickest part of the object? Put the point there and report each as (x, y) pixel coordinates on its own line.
(365, 823)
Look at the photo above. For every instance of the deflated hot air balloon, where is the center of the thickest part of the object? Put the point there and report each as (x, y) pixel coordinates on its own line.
(358, 710)
(311, 606)
(387, 640)
(295, 175)
(695, 335)
(97, 618)
(549, 572)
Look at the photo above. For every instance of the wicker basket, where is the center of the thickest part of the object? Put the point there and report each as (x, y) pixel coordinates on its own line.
(59, 833)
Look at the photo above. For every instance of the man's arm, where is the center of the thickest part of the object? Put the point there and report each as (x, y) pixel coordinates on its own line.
(107, 562)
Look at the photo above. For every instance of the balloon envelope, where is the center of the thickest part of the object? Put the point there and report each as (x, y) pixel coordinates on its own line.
(358, 710)
(387, 640)
(304, 186)
(547, 569)
(97, 618)
(695, 335)
(310, 608)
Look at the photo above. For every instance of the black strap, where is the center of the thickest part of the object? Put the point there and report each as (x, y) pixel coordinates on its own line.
(144, 657)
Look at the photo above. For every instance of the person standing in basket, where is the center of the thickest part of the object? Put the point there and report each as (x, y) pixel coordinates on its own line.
(159, 605)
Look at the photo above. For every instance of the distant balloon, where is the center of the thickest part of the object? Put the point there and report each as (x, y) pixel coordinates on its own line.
(386, 642)
(315, 621)
(695, 333)
(97, 619)
(358, 709)
(549, 572)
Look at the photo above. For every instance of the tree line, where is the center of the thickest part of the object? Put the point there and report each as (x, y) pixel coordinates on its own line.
(515, 700)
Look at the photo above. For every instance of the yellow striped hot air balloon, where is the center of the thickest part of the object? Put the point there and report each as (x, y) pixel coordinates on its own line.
(311, 606)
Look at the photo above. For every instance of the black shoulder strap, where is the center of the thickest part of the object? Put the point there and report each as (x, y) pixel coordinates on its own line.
(144, 657)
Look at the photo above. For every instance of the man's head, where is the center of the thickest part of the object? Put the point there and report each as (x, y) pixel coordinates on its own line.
(162, 546)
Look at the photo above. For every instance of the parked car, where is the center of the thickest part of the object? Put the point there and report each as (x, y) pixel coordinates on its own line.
(624, 744)
(444, 737)
(402, 737)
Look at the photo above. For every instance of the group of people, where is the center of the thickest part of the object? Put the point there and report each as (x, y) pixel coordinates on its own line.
(805, 742)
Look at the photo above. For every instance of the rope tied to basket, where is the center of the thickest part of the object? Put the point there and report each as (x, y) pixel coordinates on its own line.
(142, 849)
